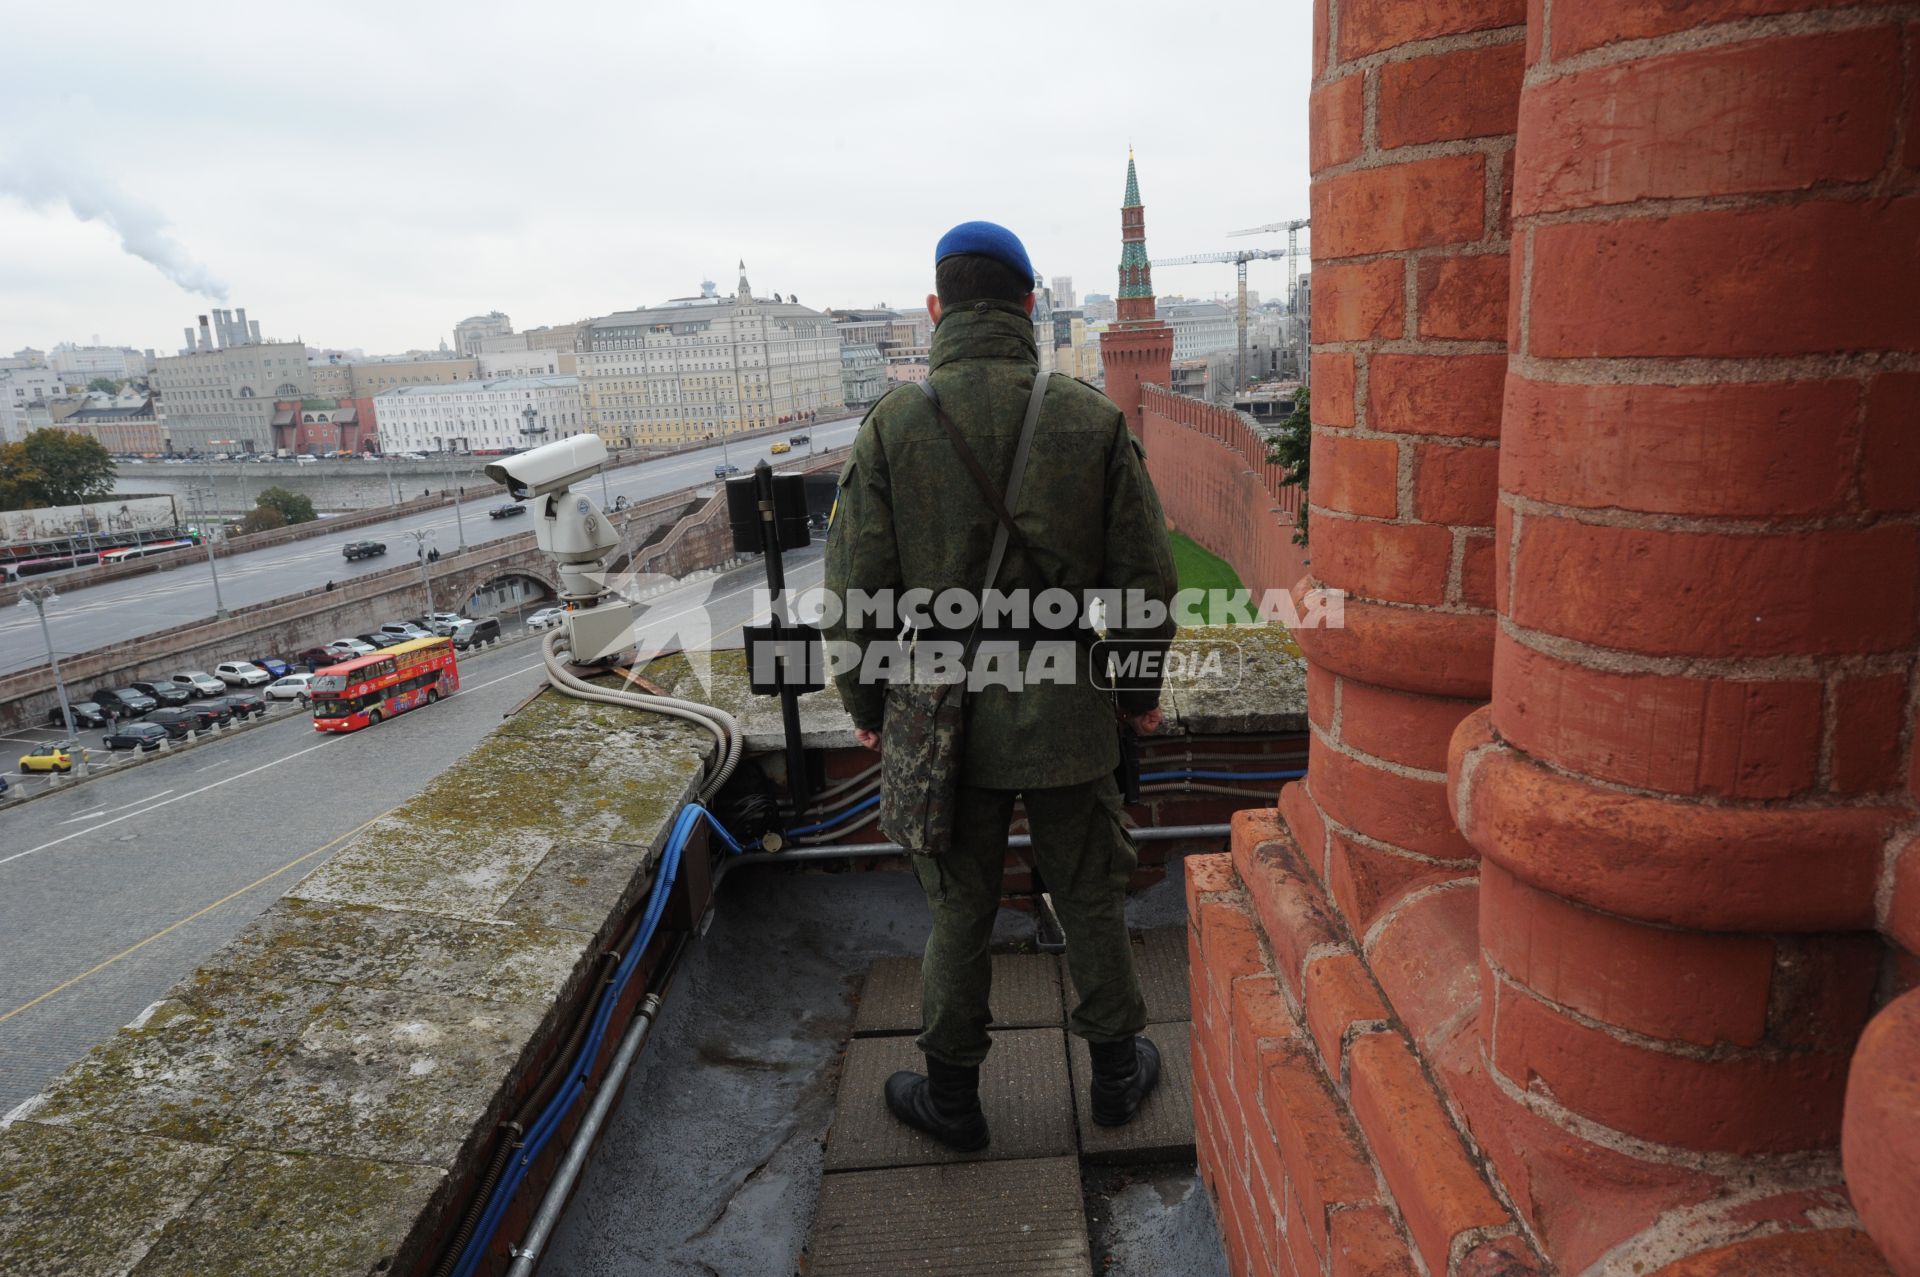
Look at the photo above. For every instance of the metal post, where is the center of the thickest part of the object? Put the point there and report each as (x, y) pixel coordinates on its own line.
(206, 539)
(606, 502)
(459, 523)
(777, 585)
(420, 538)
(39, 596)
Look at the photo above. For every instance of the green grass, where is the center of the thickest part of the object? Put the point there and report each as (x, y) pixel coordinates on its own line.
(1200, 569)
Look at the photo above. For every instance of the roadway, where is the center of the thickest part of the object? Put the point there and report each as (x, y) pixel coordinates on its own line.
(86, 617)
(112, 890)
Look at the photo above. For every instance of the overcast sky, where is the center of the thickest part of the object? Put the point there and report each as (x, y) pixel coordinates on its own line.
(366, 175)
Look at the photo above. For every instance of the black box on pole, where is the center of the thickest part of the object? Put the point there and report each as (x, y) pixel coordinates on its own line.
(789, 512)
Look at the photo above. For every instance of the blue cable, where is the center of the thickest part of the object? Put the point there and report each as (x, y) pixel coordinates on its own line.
(837, 818)
(1220, 775)
(581, 1069)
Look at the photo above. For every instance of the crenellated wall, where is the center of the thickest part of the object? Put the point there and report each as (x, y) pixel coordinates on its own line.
(1210, 468)
(1587, 945)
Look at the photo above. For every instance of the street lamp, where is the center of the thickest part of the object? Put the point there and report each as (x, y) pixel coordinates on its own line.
(37, 597)
(206, 538)
(459, 523)
(420, 538)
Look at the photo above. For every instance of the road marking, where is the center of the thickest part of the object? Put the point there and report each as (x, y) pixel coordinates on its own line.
(175, 926)
(168, 803)
(104, 810)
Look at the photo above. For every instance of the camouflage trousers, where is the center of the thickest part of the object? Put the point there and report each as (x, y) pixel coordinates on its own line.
(1085, 857)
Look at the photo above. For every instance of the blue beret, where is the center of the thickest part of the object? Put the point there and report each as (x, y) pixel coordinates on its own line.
(986, 239)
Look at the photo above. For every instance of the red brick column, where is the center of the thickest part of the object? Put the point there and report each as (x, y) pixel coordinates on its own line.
(1709, 572)
(1411, 131)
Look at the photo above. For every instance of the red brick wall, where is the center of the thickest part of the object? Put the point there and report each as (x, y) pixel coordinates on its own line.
(1606, 855)
(1217, 486)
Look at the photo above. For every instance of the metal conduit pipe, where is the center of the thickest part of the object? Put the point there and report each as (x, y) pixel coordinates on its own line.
(527, 1253)
(1165, 833)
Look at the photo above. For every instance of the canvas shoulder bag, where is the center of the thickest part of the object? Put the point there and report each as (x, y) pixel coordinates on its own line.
(923, 735)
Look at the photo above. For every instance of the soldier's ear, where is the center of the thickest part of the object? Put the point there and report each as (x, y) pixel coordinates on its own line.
(1030, 297)
(933, 308)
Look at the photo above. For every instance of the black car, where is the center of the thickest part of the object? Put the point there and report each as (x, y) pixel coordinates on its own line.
(243, 704)
(506, 510)
(474, 633)
(177, 722)
(378, 639)
(165, 693)
(124, 702)
(144, 736)
(85, 714)
(363, 549)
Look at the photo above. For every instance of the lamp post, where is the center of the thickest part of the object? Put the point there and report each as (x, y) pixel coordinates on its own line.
(459, 522)
(37, 597)
(420, 538)
(196, 495)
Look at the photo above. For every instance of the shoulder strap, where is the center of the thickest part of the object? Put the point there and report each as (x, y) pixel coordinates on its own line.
(1002, 508)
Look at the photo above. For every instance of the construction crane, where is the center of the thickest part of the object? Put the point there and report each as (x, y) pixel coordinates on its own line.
(1239, 260)
(1297, 335)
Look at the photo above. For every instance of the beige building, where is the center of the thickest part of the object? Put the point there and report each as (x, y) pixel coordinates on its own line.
(376, 376)
(218, 393)
(699, 367)
(471, 331)
(523, 362)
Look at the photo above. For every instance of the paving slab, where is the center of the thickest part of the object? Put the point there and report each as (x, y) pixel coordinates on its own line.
(1026, 994)
(1160, 960)
(1019, 1218)
(1163, 1128)
(1023, 1088)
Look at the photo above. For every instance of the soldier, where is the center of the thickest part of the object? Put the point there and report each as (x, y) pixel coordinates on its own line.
(1088, 519)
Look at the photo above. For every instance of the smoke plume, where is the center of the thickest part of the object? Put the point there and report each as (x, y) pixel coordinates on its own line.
(41, 181)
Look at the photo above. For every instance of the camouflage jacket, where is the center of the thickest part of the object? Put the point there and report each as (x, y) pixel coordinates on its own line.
(908, 517)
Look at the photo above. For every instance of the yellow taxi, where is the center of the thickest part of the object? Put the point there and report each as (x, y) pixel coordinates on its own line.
(782, 446)
(47, 758)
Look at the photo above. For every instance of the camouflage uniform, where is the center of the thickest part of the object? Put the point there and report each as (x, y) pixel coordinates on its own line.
(909, 518)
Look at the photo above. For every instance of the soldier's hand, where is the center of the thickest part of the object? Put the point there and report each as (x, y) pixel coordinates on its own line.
(871, 740)
(1148, 723)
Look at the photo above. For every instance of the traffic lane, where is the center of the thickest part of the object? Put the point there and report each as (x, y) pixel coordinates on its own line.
(88, 617)
(112, 891)
(199, 843)
(18, 741)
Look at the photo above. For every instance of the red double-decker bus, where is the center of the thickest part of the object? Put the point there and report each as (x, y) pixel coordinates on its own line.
(361, 692)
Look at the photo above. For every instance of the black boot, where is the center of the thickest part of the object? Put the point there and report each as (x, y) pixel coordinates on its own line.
(1124, 1074)
(944, 1102)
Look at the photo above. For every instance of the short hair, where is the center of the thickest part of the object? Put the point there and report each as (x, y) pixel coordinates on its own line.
(970, 277)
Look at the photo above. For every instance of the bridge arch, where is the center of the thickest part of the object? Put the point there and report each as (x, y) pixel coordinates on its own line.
(496, 588)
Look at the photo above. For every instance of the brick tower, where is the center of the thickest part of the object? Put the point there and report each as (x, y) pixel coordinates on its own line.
(1137, 349)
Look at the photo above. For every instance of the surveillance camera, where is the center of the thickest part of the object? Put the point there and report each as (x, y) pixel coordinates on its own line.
(551, 467)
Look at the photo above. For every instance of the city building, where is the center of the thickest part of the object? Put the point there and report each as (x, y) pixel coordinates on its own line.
(82, 364)
(547, 361)
(863, 374)
(124, 424)
(322, 426)
(1076, 348)
(1137, 348)
(479, 416)
(469, 332)
(704, 366)
(1200, 328)
(908, 363)
(1063, 292)
(22, 390)
(1099, 308)
(218, 393)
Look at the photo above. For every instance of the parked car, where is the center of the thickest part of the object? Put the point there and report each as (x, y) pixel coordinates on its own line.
(293, 687)
(547, 618)
(476, 633)
(241, 674)
(206, 714)
(85, 714)
(506, 510)
(442, 623)
(164, 693)
(199, 683)
(124, 702)
(143, 736)
(348, 648)
(363, 549)
(378, 641)
(178, 722)
(405, 630)
(722, 471)
(242, 704)
(273, 665)
(314, 658)
(47, 758)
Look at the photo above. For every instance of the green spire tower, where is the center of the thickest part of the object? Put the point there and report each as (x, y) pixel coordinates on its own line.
(1135, 304)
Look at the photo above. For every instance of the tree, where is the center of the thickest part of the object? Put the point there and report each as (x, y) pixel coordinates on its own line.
(1292, 445)
(54, 468)
(106, 384)
(292, 507)
(262, 518)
